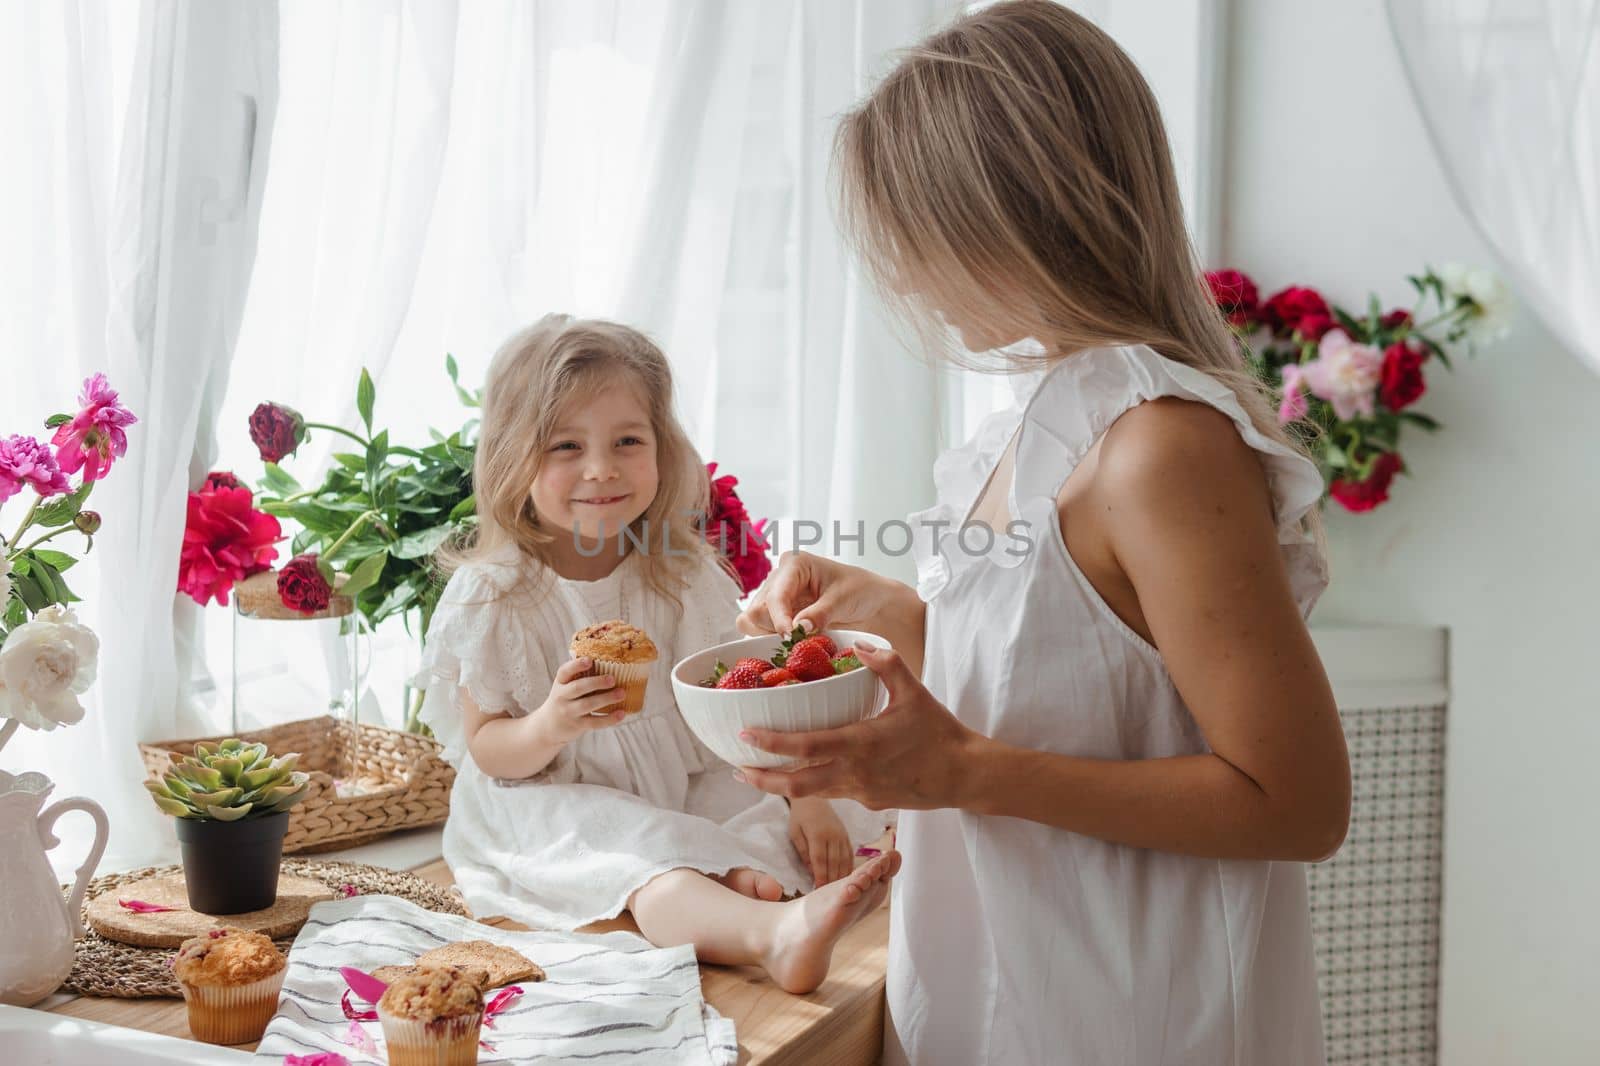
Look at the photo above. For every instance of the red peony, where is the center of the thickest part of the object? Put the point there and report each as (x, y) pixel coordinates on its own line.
(1236, 296)
(301, 585)
(1395, 319)
(728, 527)
(276, 430)
(1365, 495)
(225, 540)
(220, 479)
(1402, 384)
(1297, 309)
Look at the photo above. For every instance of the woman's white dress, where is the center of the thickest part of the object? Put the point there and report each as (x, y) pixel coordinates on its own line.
(619, 805)
(1014, 942)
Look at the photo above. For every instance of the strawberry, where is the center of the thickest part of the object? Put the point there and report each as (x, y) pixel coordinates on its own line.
(743, 675)
(779, 676)
(843, 664)
(759, 664)
(824, 641)
(809, 662)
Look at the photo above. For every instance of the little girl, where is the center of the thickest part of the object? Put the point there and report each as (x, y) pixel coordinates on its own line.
(565, 810)
(1122, 745)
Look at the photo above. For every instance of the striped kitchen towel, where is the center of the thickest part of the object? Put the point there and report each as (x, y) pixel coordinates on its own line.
(609, 998)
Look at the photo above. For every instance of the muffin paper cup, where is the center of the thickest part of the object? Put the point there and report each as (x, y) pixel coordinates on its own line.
(632, 677)
(232, 1014)
(442, 1042)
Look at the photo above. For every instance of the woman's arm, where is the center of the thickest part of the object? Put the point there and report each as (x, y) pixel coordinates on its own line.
(816, 592)
(1187, 512)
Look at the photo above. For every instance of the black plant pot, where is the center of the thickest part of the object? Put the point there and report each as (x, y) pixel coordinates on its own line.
(232, 867)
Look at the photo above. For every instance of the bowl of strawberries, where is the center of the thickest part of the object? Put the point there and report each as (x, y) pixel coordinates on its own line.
(793, 684)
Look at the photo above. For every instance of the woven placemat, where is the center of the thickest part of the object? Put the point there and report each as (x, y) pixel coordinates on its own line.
(106, 968)
(170, 928)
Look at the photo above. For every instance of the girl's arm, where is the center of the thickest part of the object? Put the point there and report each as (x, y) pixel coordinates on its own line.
(1189, 520)
(810, 590)
(513, 747)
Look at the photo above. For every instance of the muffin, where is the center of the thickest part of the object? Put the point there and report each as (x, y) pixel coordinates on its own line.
(431, 1017)
(624, 652)
(230, 979)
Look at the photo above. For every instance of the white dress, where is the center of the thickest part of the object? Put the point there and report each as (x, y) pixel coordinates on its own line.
(1014, 942)
(619, 805)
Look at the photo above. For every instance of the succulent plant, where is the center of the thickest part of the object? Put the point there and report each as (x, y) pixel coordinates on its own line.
(229, 782)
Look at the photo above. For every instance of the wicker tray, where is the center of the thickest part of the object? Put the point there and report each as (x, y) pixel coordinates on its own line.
(401, 780)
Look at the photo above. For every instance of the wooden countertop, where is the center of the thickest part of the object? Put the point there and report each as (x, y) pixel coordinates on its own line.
(840, 1024)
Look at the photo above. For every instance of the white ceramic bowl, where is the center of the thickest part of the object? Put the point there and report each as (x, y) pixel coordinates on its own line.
(717, 714)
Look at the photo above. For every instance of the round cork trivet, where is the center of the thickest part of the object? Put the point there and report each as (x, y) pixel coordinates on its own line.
(169, 929)
(108, 968)
(257, 597)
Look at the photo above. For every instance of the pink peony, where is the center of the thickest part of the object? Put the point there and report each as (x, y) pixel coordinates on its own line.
(1344, 373)
(225, 540)
(24, 461)
(94, 435)
(1294, 406)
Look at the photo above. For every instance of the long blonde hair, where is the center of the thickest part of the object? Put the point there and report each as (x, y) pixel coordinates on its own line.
(1017, 159)
(535, 374)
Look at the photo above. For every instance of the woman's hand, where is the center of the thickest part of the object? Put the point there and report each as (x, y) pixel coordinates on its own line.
(576, 701)
(911, 755)
(820, 839)
(812, 592)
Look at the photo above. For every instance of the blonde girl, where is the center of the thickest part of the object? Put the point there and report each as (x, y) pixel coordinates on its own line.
(565, 810)
(1115, 749)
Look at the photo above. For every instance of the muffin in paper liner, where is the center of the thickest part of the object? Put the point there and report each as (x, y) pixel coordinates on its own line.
(632, 679)
(440, 1042)
(232, 1014)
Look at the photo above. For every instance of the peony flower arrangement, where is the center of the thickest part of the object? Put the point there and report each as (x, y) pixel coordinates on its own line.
(47, 658)
(729, 528)
(1346, 385)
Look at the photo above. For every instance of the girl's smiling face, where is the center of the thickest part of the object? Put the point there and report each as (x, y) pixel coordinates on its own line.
(598, 472)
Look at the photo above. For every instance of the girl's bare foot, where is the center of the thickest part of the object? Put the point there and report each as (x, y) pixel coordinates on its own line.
(802, 944)
(753, 883)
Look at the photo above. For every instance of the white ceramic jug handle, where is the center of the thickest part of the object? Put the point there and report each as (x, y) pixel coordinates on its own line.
(102, 830)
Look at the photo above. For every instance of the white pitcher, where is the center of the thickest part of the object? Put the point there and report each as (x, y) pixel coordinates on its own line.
(38, 930)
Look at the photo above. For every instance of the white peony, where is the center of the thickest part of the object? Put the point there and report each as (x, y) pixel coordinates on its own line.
(1496, 307)
(45, 665)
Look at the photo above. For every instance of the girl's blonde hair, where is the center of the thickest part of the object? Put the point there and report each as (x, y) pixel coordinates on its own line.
(1015, 163)
(536, 374)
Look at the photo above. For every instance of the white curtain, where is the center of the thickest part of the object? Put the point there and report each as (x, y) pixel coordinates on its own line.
(148, 288)
(443, 174)
(1510, 94)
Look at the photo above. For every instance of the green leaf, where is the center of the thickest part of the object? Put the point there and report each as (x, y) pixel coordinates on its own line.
(1351, 326)
(450, 367)
(365, 394)
(55, 421)
(63, 509)
(377, 453)
(1334, 456)
(365, 575)
(60, 560)
(354, 463)
(462, 457)
(277, 480)
(466, 507)
(423, 542)
(26, 586)
(1416, 418)
(16, 612)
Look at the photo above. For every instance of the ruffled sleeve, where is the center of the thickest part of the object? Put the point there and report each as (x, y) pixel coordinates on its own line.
(481, 641)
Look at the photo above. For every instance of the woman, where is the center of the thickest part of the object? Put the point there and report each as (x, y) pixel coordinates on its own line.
(1123, 744)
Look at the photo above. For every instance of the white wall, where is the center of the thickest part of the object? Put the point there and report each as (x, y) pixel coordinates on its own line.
(1329, 181)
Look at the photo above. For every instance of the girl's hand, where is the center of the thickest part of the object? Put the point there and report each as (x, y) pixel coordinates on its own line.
(820, 838)
(911, 755)
(812, 592)
(575, 702)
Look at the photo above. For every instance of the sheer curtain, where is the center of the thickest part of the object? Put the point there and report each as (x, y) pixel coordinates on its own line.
(1510, 94)
(443, 174)
(147, 131)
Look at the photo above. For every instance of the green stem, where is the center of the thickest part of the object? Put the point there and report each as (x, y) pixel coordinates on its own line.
(339, 429)
(1460, 312)
(40, 540)
(366, 516)
(33, 509)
